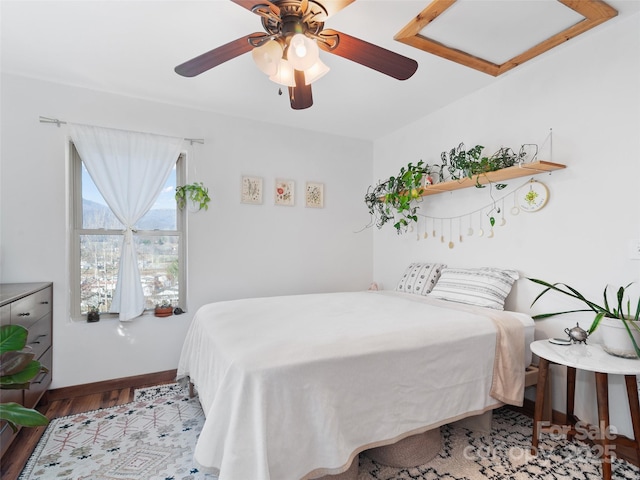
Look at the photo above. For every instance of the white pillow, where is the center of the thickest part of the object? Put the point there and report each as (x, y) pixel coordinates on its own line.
(484, 287)
(420, 278)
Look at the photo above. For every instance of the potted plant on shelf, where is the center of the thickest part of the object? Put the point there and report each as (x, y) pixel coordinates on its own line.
(194, 194)
(460, 163)
(394, 199)
(17, 369)
(394, 196)
(614, 320)
(163, 309)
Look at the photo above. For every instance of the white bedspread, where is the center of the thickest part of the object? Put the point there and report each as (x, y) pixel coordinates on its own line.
(294, 387)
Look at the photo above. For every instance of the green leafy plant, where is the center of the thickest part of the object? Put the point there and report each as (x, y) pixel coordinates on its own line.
(621, 309)
(392, 199)
(164, 309)
(196, 192)
(93, 313)
(17, 369)
(461, 163)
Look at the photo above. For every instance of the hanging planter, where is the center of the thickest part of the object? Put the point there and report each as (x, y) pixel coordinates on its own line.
(194, 196)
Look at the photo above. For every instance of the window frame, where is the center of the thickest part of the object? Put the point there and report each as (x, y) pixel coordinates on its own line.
(77, 231)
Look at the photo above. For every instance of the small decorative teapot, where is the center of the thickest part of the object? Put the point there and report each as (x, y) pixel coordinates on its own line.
(577, 334)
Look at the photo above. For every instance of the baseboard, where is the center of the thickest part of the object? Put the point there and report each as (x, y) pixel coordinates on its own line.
(137, 381)
(622, 451)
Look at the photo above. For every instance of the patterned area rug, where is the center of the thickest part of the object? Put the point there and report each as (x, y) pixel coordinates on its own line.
(153, 438)
(504, 453)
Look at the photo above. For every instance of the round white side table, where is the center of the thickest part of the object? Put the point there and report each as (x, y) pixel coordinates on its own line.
(590, 358)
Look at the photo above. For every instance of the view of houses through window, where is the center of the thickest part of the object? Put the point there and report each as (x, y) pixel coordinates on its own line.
(98, 237)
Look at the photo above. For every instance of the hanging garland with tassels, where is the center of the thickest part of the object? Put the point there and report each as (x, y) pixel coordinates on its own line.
(530, 197)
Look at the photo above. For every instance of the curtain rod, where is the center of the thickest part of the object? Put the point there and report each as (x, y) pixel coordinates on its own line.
(61, 122)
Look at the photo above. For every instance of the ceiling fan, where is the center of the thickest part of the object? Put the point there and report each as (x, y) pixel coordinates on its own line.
(288, 49)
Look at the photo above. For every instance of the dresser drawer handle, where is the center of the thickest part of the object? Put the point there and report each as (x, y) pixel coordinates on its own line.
(37, 339)
(44, 303)
(24, 314)
(41, 377)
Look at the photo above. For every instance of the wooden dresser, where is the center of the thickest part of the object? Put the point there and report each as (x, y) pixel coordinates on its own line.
(29, 305)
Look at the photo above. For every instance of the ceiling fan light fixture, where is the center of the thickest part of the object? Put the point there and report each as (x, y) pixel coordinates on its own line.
(302, 52)
(284, 75)
(316, 71)
(267, 56)
(289, 50)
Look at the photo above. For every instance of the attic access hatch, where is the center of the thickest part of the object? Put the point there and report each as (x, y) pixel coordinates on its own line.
(494, 37)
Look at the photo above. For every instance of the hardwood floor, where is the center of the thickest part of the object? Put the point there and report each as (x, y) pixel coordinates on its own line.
(69, 401)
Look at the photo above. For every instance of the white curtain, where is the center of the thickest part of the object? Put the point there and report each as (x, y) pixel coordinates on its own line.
(129, 169)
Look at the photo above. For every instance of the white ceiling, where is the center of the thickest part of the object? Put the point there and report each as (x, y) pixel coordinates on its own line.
(131, 48)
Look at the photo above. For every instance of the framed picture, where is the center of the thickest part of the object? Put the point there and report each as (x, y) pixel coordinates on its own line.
(533, 196)
(284, 192)
(314, 195)
(251, 190)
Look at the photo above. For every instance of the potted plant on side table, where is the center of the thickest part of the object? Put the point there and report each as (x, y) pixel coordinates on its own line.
(619, 323)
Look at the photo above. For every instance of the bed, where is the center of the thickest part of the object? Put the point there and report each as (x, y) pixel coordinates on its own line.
(295, 387)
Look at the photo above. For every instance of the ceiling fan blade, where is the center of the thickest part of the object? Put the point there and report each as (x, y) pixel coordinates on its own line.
(300, 95)
(250, 4)
(215, 57)
(370, 55)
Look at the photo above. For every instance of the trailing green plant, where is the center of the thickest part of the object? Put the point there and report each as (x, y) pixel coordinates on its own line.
(621, 309)
(17, 369)
(461, 163)
(391, 200)
(196, 192)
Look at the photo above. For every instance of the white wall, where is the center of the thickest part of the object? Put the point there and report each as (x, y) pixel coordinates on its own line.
(235, 250)
(589, 94)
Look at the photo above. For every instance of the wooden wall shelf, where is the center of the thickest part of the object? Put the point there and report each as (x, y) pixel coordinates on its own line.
(510, 173)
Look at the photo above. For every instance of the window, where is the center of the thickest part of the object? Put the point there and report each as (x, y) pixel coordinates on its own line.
(160, 239)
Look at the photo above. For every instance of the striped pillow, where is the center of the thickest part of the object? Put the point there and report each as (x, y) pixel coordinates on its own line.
(483, 287)
(420, 278)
